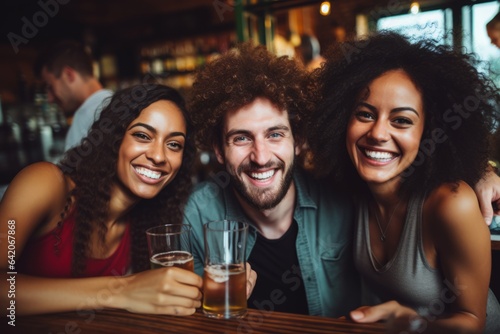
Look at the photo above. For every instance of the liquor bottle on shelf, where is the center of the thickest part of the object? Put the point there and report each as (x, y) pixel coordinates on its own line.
(175, 61)
(11, 156)
(45, 118)
(31, 139)
(145, 61)
(168, 59)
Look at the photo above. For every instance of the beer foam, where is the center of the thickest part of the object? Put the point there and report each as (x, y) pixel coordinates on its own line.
(217, 274)
(169, 259)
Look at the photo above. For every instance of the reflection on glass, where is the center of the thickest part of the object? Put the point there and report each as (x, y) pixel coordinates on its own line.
(475, 37)
(429, 24)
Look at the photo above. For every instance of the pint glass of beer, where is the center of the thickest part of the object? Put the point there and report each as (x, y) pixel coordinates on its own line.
(170, 246)
(224, 277)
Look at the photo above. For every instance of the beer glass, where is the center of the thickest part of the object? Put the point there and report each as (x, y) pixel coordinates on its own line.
(170, 246)
(224, 277)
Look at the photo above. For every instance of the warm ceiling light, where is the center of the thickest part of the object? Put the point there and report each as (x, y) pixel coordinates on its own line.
(295, 39)
(324, 9)
(414, 8)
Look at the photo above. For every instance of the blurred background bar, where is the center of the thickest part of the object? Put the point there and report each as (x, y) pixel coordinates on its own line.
(165, 41)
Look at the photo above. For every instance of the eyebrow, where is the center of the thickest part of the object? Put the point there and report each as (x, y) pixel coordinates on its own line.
(248, 133)
(372, 108)
(237, 132)
(153, 130)
(278, 127)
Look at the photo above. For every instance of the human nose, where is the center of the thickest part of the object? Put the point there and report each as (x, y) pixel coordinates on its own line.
(260, 152)
(156, 153)
(379, 131)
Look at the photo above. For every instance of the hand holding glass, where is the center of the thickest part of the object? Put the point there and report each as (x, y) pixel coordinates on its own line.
(170, 246)
(224, 278)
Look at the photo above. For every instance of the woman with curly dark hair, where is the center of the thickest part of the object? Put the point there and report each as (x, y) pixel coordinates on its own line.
(406, 126)
(80, 226)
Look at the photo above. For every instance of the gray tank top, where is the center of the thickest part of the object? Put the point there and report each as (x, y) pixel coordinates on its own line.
(408, 277)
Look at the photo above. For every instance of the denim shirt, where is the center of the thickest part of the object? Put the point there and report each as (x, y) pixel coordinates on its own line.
(324, 240)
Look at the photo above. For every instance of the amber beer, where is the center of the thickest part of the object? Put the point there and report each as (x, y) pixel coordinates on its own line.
(179, 259)
(224, 278)
(224, 291)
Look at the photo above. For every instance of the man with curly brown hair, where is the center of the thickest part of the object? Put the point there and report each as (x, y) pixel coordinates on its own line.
(249, 106)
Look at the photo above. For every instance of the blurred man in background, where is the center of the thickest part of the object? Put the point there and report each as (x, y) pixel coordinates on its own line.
(493, 30)
(66, 69)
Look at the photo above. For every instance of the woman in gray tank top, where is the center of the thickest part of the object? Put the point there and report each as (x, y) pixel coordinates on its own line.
(411, 122)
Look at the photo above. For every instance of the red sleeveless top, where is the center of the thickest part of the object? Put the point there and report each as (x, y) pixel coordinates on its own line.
(41, 257)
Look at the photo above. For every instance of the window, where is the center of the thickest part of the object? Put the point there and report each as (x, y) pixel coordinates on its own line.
(475, 38)
(429, 24)
(438, 24)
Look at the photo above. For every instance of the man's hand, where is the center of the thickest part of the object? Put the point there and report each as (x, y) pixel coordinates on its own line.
(251, 279)
(488, 193)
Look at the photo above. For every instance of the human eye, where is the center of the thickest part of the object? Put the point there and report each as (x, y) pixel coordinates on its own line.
(276, 135)
(364, 115)
(402, 122)
(240, 140)
(141, 136)
(175, 146)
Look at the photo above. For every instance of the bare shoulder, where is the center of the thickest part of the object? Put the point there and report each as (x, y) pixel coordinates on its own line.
(40, 172)
(450, 198)
(37, 186)
(43, 167)
(454, 207)
(34, 201)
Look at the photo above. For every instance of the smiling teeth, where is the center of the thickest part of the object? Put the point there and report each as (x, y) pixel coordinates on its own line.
(148, 173)
(262, 176)
(382, 156)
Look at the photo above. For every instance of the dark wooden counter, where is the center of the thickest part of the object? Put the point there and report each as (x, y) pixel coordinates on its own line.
(123, 322)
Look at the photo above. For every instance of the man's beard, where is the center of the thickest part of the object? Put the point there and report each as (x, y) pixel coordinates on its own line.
(263, 200)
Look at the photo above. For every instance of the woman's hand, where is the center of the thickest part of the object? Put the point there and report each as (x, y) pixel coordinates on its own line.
(172, 290)
(384, 311)
(400, 319)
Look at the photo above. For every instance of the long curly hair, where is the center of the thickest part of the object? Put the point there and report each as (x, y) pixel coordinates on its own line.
(236, 79)
(460, 106)
(93, 168)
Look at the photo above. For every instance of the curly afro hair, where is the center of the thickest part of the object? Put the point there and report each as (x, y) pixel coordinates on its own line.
(460, 106)
(236, 79)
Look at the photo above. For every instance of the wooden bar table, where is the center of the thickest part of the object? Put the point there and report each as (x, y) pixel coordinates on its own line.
(123, 322)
